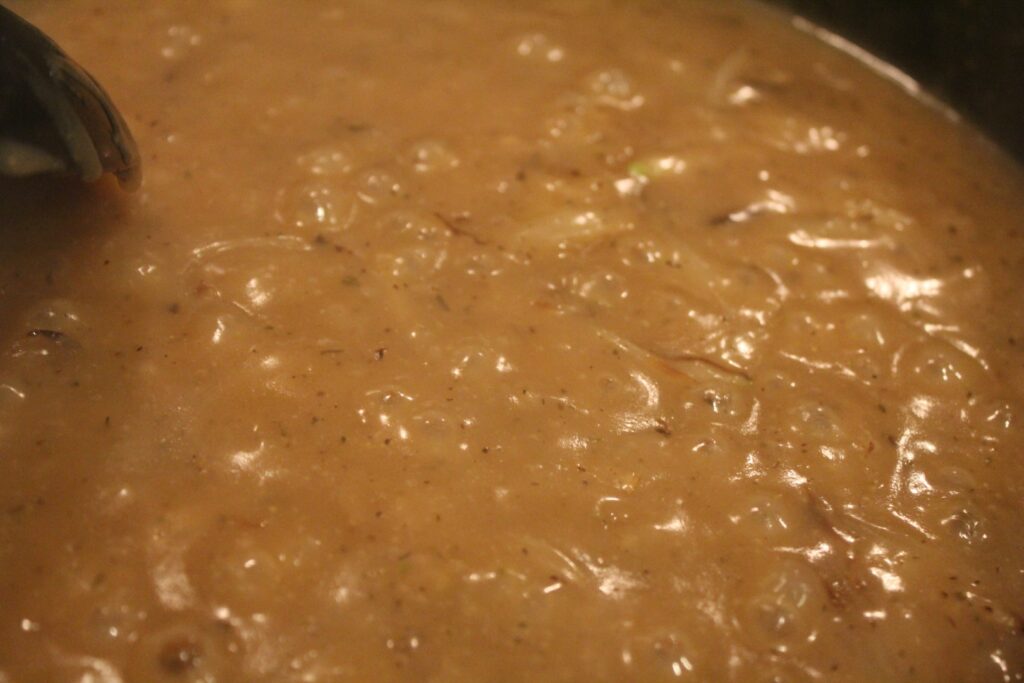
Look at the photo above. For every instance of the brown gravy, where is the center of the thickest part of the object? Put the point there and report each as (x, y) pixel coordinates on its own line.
(538, 341)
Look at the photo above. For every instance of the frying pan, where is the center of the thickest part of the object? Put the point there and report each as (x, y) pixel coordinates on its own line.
(969, 53)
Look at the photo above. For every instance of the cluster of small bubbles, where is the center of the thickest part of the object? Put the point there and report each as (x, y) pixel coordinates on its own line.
(578, 121)
(181, 39)
(785, 605)
(394, 416)
(379, 186)
(416, 226)
(432, 156)
(821, 426)
(816, 418)
(604, 288)
(316, 207)
(571, 226)
(327, 161)
(539, 46)
(614, 88)
(413, 244)
(611, 510)
(800, 136)
(965, 523)
(774, 515)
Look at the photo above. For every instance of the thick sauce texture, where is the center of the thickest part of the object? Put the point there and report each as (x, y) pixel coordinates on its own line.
(461, 340)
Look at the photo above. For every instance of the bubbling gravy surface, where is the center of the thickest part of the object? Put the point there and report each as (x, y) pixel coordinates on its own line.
(539, 341)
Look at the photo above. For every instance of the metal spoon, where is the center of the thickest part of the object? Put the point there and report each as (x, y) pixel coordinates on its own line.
(54, 117)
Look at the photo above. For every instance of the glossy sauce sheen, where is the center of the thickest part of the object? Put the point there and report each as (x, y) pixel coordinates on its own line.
(537, 341)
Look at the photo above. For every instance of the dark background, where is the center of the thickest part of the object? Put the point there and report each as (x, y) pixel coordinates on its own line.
(970, 53)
